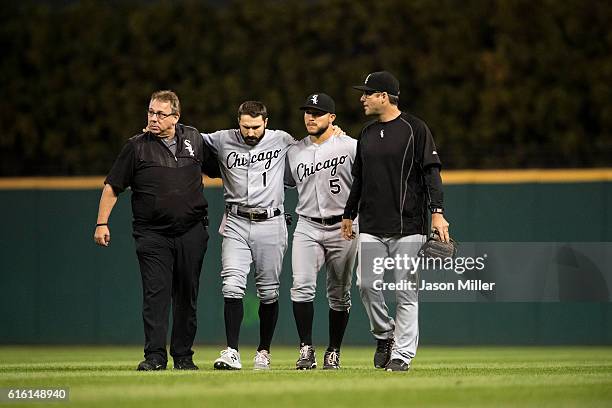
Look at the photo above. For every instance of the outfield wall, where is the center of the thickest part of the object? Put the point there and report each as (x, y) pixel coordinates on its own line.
(58, 287)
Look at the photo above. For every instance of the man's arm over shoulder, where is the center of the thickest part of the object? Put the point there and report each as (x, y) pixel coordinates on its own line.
(350, 145)
(215, 139)
(285, 137)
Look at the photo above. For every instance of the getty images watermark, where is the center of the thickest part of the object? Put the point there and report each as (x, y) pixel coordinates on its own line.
(413, 264)
(490, 272)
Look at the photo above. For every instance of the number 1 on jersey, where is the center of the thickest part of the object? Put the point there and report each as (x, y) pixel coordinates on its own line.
(264, 178)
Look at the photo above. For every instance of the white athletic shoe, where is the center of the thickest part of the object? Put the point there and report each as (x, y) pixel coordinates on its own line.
(229, 360)
(261, 360)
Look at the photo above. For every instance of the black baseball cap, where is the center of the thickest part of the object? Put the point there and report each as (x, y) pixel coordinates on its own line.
(320, 101)
(381, 81)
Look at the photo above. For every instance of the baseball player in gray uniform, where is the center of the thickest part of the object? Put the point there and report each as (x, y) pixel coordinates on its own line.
(320, 167)
(252, 162)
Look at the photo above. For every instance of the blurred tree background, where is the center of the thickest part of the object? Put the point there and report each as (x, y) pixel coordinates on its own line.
(502, 83)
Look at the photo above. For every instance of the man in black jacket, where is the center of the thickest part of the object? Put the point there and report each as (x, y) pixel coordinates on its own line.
(163, 166)
(396, 182)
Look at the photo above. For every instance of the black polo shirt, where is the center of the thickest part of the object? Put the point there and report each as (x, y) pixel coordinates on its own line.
(167, 192)
(395, 177)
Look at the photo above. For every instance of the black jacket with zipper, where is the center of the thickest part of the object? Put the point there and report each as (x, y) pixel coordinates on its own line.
(167, 192)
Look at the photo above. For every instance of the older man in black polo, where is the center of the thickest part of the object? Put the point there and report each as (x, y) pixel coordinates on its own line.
(163, 166)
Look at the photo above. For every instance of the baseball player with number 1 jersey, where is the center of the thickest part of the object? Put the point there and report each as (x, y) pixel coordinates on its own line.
(252, 163)
(320, 167)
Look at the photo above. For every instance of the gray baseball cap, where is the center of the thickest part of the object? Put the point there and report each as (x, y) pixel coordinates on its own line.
(381, 81)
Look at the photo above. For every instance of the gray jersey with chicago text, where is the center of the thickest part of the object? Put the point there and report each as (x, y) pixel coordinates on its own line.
(322, 175)
(252, 175)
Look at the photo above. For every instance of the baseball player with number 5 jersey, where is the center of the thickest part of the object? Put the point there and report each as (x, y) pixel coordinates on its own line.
(252, 163)
(319, 166)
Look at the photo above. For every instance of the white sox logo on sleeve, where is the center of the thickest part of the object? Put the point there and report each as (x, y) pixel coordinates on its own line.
(235, 159)
(305, 170)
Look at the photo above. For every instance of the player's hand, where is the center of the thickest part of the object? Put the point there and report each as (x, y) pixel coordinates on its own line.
(102, 235)
(438, 223)
(346, 230)
(337, 131)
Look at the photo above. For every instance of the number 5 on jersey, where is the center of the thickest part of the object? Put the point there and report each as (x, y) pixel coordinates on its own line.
(334, 185)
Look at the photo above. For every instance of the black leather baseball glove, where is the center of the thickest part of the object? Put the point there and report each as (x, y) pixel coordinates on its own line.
(435, 248)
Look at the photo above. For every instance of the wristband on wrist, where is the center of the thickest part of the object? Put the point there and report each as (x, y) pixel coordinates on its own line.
(437, 211)
(101, 224)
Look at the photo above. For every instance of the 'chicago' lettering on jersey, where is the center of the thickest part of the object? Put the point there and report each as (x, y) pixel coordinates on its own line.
(304, 170)
(235, 159)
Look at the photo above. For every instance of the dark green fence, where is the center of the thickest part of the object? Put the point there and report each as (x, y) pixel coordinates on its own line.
(58, 287)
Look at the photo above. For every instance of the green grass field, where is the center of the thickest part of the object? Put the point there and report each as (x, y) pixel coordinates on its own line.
(440, 376)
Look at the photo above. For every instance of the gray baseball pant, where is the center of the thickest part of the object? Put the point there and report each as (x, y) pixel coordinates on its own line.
(315, 245)
(245, 242)
(405, 328)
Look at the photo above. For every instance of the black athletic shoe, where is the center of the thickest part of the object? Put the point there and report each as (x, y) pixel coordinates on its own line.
(307, 358)
(331, 360)
(383, 353)
(151, 365)
(185, 363)
(397, 365)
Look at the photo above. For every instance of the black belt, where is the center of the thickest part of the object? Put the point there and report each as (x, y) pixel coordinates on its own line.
(326, 221)
(257, 216)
